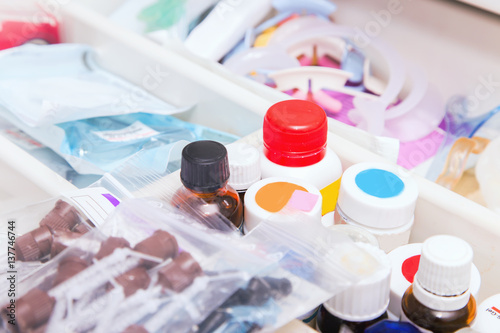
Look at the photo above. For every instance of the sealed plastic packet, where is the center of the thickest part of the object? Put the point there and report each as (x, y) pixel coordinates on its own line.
(63, 83)
(39, 232)
(148, 268)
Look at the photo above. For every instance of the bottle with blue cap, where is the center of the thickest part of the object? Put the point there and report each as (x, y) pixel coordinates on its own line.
(380, 198)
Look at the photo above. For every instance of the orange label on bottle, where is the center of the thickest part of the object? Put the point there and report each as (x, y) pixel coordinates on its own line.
(274, 196)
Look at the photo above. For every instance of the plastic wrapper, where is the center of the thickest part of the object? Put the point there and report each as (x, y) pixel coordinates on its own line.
(149, 266)
(61, 83)
(155, 174)
(144, 266)
(98, 145)
(37, 233)
(316, 262)
(461, 122)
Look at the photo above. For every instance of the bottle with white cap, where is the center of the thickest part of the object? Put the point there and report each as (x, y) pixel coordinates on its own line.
(405, 260)
(361, 305)
(439, 300)
(380, 198)
(244, 166)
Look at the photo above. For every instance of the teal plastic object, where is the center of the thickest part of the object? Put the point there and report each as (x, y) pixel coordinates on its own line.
(163, 14)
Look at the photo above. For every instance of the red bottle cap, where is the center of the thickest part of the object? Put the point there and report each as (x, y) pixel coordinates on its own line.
(295, 133)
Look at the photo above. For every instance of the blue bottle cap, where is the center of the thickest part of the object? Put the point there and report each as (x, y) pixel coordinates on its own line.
(389, 326)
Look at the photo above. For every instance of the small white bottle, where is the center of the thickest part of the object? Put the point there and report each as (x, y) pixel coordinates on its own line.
(362, 304)
(381, 198)
(295, 145)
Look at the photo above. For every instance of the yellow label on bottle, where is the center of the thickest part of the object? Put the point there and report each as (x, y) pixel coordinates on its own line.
(330, 195)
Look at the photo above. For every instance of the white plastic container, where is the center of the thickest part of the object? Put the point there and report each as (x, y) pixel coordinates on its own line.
(271, 195)
(295, 137)
(368, 299)
(380, 198)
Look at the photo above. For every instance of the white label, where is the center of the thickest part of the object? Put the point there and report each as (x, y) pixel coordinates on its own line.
(404, 318)
(96, 203)
(133, 132)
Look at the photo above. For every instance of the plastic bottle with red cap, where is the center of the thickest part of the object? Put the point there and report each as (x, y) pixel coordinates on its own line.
(295, 145)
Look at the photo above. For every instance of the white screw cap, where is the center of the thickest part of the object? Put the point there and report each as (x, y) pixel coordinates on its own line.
(368, 299)
(443, 278)
(378, 195)
(244, 165)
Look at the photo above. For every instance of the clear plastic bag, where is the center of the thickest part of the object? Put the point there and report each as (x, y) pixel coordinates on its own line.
(99, 145)
(311, 264)
(144, 266)
(37, 233)
(50, 84)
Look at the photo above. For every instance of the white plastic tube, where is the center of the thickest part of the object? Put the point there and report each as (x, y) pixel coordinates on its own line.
(225, 26)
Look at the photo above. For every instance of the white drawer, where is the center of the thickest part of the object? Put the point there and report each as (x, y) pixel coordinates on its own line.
(237, 105)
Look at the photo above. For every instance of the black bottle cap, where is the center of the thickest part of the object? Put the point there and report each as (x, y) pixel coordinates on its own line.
(204, 166)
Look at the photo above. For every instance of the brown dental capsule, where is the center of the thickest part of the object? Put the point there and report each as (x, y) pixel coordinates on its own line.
(34, 245)
(111, 244)
(161, 244)
(180, 273)
(69, 267)
(135, 329)
(33, 309)
(61, 240)
(133, 280)
(62, 217)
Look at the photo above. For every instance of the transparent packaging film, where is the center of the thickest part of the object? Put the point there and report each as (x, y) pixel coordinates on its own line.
(311, 264)
(155, 174)
(147, 267)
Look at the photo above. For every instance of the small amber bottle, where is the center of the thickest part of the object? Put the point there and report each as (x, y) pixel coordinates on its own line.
(206, 195)
(439, 300)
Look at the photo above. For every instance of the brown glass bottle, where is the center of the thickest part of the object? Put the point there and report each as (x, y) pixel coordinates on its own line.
(434, 320)
(206, 195)
(439, 299)
(328, 323)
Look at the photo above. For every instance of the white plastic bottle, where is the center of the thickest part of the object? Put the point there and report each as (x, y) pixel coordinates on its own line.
(295, 145)
(380, 198)
(360, 305)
